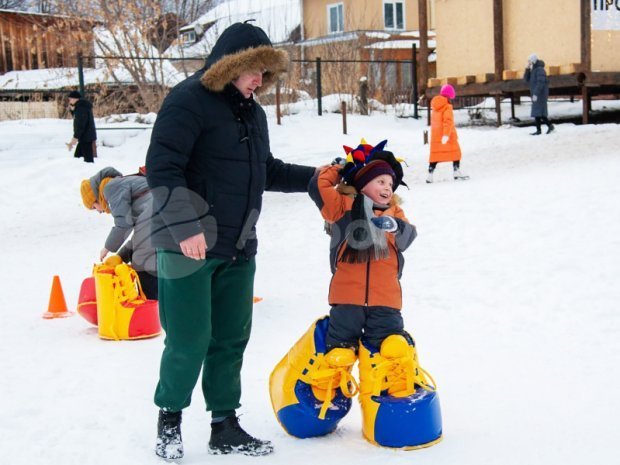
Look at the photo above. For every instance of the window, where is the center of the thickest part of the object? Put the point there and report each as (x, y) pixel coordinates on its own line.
(394, 15)
(188, 37)
(335, 18)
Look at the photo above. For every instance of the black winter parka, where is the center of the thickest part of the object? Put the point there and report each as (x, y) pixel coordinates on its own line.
(208, 164)
(84, 122)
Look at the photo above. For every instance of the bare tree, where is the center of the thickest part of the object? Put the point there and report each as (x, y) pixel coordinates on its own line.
(19, 5)
(129, 34)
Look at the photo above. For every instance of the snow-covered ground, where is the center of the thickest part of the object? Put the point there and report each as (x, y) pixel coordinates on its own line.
(511, 291)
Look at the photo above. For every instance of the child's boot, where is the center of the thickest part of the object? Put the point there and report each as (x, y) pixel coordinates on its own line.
(400, 407)
(169, 442)
(429, 178)
(310, 389)
(459, 175)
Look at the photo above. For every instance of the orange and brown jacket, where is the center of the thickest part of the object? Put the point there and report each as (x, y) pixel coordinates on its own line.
(376, 282)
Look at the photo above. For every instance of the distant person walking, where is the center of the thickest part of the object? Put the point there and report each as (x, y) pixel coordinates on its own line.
(84, 132)
(536, 76)
(444, 139)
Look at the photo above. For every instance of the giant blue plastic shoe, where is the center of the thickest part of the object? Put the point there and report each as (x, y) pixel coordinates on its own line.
(311, 391)
(400, 406)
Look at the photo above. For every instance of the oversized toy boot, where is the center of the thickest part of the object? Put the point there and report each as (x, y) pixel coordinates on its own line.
(400, 407)
(310, 390)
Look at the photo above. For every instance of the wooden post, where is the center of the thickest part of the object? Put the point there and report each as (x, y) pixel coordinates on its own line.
(319, 91)
(498, 38)
(586, 33)
(80, 69)
(13, 43)
(278, 113)
(498, 109)
(414, 80)
(428, 112)
(585, 98)
(343, 109)
(425, 136)
(423, 27)
(4, 67)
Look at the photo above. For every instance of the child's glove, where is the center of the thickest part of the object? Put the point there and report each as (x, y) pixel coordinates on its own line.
(444, 139)
(385, 223)
(339, 161)
(534, 98)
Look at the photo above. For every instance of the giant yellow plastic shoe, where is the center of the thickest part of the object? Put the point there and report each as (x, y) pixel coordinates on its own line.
(400, 406)
(311, 391)
(123, 312)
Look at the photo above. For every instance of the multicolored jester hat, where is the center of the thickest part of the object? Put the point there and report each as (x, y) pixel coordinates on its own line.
(365, 153)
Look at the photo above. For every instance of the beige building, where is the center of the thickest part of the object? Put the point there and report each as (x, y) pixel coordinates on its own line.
(329, 17)
(378, 35)
(551, 29)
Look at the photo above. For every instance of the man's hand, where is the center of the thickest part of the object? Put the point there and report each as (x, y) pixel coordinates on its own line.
(386, 223)
(444, 139)
(318, 169)
(103, 253)
(195, 247)
(71, 144)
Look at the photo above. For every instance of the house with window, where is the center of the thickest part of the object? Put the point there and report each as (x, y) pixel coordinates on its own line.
(371, 31)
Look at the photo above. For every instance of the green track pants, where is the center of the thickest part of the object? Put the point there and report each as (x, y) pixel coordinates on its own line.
(205, 309)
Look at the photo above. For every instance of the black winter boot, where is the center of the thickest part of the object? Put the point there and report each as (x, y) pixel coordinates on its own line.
(227, 437)
(169, 443)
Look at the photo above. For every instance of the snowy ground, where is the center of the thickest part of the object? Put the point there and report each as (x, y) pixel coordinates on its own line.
(510, 291)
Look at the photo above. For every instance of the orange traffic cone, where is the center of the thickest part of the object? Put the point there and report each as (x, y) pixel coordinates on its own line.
(57, 307)
(257, 299)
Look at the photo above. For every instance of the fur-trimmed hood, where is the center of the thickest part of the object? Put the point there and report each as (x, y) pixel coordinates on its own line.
(241, 48)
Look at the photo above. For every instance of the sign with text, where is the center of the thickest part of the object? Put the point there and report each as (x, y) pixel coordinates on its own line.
(605, 15)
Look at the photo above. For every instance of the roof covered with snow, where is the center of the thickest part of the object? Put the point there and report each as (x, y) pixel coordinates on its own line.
(278, 18)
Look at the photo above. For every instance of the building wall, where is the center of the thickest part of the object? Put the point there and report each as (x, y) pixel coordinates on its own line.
(358, 15)
(549, 29)
(605, 50)
(41, 41)
(464, 33)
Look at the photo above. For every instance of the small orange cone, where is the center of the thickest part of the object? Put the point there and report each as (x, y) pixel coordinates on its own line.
(257, 299)
(57, 307)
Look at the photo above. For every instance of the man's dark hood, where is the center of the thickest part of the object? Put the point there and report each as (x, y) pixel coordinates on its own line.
(242, 48)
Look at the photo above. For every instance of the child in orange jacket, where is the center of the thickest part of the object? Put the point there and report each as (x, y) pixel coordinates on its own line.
(369, 232)
(444, 139)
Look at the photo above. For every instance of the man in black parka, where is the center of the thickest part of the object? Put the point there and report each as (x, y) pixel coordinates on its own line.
(84, 132)
(208, 164)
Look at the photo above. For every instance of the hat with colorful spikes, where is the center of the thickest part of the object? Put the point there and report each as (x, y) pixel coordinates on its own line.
(364, 154)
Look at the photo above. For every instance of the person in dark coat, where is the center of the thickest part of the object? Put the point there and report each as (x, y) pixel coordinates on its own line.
(208, 164)
(536, 76)
(128, 199)
(84, 132)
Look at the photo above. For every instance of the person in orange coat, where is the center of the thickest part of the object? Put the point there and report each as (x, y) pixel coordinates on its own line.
(369, 232)
(444, 140)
